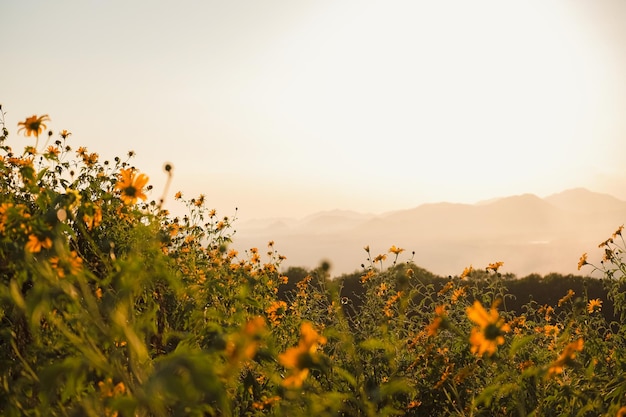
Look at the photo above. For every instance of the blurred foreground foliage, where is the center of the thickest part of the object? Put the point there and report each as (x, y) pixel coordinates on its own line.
(110, 306)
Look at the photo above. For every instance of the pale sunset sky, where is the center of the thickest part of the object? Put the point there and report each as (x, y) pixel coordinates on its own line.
(288, 107)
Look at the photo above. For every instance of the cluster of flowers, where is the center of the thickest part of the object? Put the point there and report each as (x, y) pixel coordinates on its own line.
(130, 311)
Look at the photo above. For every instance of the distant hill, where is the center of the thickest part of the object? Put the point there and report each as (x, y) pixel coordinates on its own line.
(528, 233)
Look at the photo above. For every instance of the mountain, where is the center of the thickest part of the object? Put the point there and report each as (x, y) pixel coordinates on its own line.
(528, 233)
(585, 201)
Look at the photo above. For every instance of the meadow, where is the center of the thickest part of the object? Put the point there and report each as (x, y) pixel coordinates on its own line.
(111, 306)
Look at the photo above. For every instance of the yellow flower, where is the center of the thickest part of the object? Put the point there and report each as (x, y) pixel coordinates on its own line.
(276, 311)
(367, 276)
(566, 298)
(90, 159)
(33, 125)
(265, 402)
(566, 357)
(387, 310)
(495, 266)
(243, 345)
(397, 251)
(93, 219)
(380, 258)
(178, 195)
(550, 330)
(488, 333)
(71, 264)
(131, 186)
(108, 390)
(467, 271)
(438, 322)
(52, 151)
(64, 134)
(449, 285)
(299, 358)
(456, 294)
(35, 244)
(200, 200)
(582, 261)
(594, 305)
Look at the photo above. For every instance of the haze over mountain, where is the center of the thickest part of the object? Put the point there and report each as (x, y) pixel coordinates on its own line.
(528, 233)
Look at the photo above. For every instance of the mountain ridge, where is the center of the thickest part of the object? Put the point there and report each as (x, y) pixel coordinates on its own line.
(529, 233)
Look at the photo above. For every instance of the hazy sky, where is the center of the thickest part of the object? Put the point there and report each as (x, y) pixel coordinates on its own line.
(290, 107)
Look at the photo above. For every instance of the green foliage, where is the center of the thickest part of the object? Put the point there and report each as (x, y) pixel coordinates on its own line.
(110, 306)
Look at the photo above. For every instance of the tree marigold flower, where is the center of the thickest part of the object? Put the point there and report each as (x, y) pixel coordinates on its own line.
(457, 294)
(467, 271)
(566, 357)
(594, 305)
(300, 357)
(276, 311)
(243, 345)
(395, 250)
(35, 244)
(488, 333)
(67, 265)
(380, 258)
(582, 261)
(130, 185)
(495, 266)
(566, 298)
(33, 125)
(440, 321)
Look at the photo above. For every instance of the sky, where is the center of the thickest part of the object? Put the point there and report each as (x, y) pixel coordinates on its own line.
(286, 108)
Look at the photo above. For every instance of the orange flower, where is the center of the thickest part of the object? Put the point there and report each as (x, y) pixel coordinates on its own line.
(63, 266)
(488, 333)
(33, 125)
(299, 358)
(397, 251)
(495, 266)
(131, 186)
(567, 297)
(438, 322)
(582, 261)
(276, 312)
(35, 244)
(243, 345)
(467, 271)
(594, 305)
(64, 134)
(456, 294)
(93, 219)
(566, 357)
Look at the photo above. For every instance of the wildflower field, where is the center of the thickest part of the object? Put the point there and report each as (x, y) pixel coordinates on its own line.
(111, 306)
